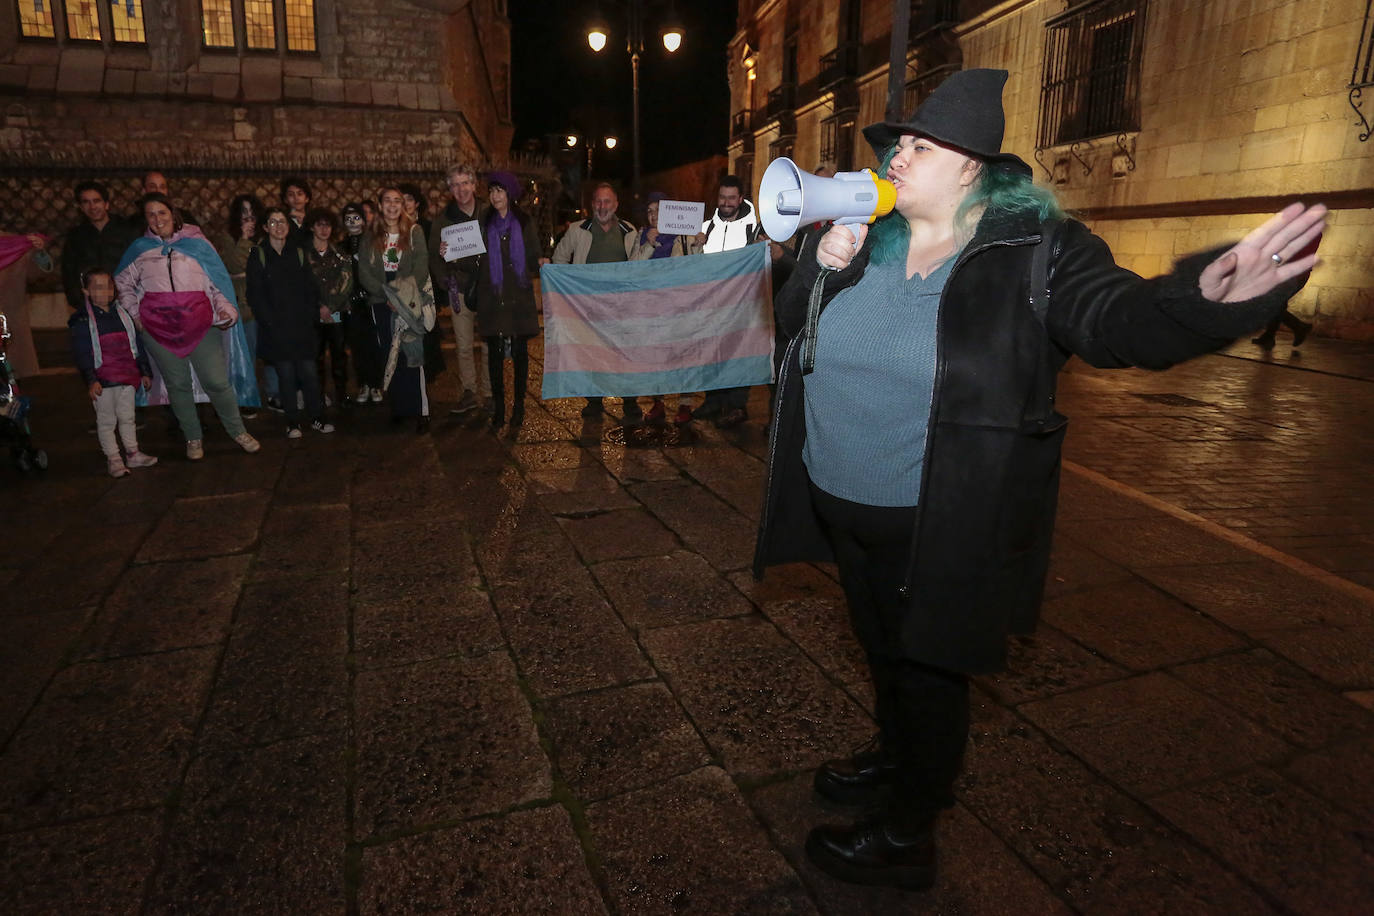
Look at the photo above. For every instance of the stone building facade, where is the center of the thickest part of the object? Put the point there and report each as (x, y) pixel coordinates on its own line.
(1166, 125)
(228, 96)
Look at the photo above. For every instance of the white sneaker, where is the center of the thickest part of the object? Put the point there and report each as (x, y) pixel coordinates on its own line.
(293, 432)
(320, 426)
(195, 449)
(376, 395)
(139, 459)
(115, 466)
(363, 392)
(247, 443)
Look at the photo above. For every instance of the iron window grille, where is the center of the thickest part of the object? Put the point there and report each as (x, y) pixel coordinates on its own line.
(1362, 74)
(1091, 80)
(744, 171)
(837, 141)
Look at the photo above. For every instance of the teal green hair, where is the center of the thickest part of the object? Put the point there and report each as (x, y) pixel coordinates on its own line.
(1000, 190)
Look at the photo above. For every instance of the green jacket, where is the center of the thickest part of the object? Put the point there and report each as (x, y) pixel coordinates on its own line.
(414, 264)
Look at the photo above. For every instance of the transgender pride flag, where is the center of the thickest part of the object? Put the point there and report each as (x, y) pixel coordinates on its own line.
(658, 327)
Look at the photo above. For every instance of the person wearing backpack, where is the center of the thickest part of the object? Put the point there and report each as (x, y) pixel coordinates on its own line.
(915, 441)
(286, 302)
(734, 224)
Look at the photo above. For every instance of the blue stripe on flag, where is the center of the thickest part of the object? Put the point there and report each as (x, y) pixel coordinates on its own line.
(735, 373)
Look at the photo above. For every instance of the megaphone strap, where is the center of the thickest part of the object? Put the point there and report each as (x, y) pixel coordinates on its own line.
(813, 318)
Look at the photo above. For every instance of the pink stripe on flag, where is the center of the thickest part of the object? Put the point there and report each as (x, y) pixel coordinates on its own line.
(660, 357)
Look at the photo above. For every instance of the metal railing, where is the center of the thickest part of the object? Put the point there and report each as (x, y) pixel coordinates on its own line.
(923, 84)
(838, 65)
(741, 125)
(780, 100)
(1091, 80)
(930, 15)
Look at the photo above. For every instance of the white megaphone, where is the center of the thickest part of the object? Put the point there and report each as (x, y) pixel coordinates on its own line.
(789, 197)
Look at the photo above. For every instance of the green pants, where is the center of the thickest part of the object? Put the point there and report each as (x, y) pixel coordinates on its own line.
(208, 361)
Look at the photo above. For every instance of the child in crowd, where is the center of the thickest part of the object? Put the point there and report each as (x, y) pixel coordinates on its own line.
(105, 346)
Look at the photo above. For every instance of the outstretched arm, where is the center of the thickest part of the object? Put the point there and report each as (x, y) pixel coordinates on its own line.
(1284, 247)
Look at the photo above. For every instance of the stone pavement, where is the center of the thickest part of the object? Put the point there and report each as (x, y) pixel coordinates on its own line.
(381, 672)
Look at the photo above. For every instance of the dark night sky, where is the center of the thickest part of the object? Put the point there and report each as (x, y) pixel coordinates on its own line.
(559, 85)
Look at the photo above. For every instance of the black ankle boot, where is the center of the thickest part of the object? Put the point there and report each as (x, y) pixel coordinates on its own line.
(856, 780)
(875, 852)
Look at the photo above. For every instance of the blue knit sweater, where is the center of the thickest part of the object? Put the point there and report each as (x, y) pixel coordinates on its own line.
(868, 400)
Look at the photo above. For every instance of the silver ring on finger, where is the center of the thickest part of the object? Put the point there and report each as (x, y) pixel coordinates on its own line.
(1276, 258)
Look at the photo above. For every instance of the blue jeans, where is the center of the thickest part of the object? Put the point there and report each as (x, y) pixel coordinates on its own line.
(270, 388)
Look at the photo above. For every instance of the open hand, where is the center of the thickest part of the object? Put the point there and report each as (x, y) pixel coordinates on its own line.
(1284, 247)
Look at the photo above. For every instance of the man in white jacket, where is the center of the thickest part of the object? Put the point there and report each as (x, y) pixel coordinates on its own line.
(735, 224)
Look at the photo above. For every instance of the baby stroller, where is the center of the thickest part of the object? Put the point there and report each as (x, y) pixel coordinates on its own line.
(14, 414)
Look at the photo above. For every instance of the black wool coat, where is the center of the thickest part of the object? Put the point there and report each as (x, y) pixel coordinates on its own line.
(981, 544)
(286, 303)
(510, 311)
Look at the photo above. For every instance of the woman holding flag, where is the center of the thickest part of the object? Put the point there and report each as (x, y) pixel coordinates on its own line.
(178, 293)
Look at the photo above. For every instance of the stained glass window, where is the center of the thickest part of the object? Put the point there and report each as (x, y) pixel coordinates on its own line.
(83, 20)
(300, 25)
(260, 25)
(35, 19)
(217, 22)
(126, 21)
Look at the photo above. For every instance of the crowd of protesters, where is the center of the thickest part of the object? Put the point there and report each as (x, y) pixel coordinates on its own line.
(186, 311)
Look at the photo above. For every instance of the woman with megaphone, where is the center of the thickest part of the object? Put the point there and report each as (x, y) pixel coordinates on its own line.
(915, 440)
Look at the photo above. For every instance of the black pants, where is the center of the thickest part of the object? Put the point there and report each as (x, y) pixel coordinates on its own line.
(332, 342)
(294, 373)
(723, 399)
(362, 340)
(922, 711)
(1288, 320)
(496, 366)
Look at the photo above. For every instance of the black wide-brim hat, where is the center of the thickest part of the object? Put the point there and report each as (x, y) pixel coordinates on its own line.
(965, 112)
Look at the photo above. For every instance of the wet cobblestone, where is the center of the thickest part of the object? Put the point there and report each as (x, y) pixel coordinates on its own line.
(457, 672)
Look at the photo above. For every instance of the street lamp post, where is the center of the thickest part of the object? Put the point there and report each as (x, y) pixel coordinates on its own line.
(609, 141)
(634, 44)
